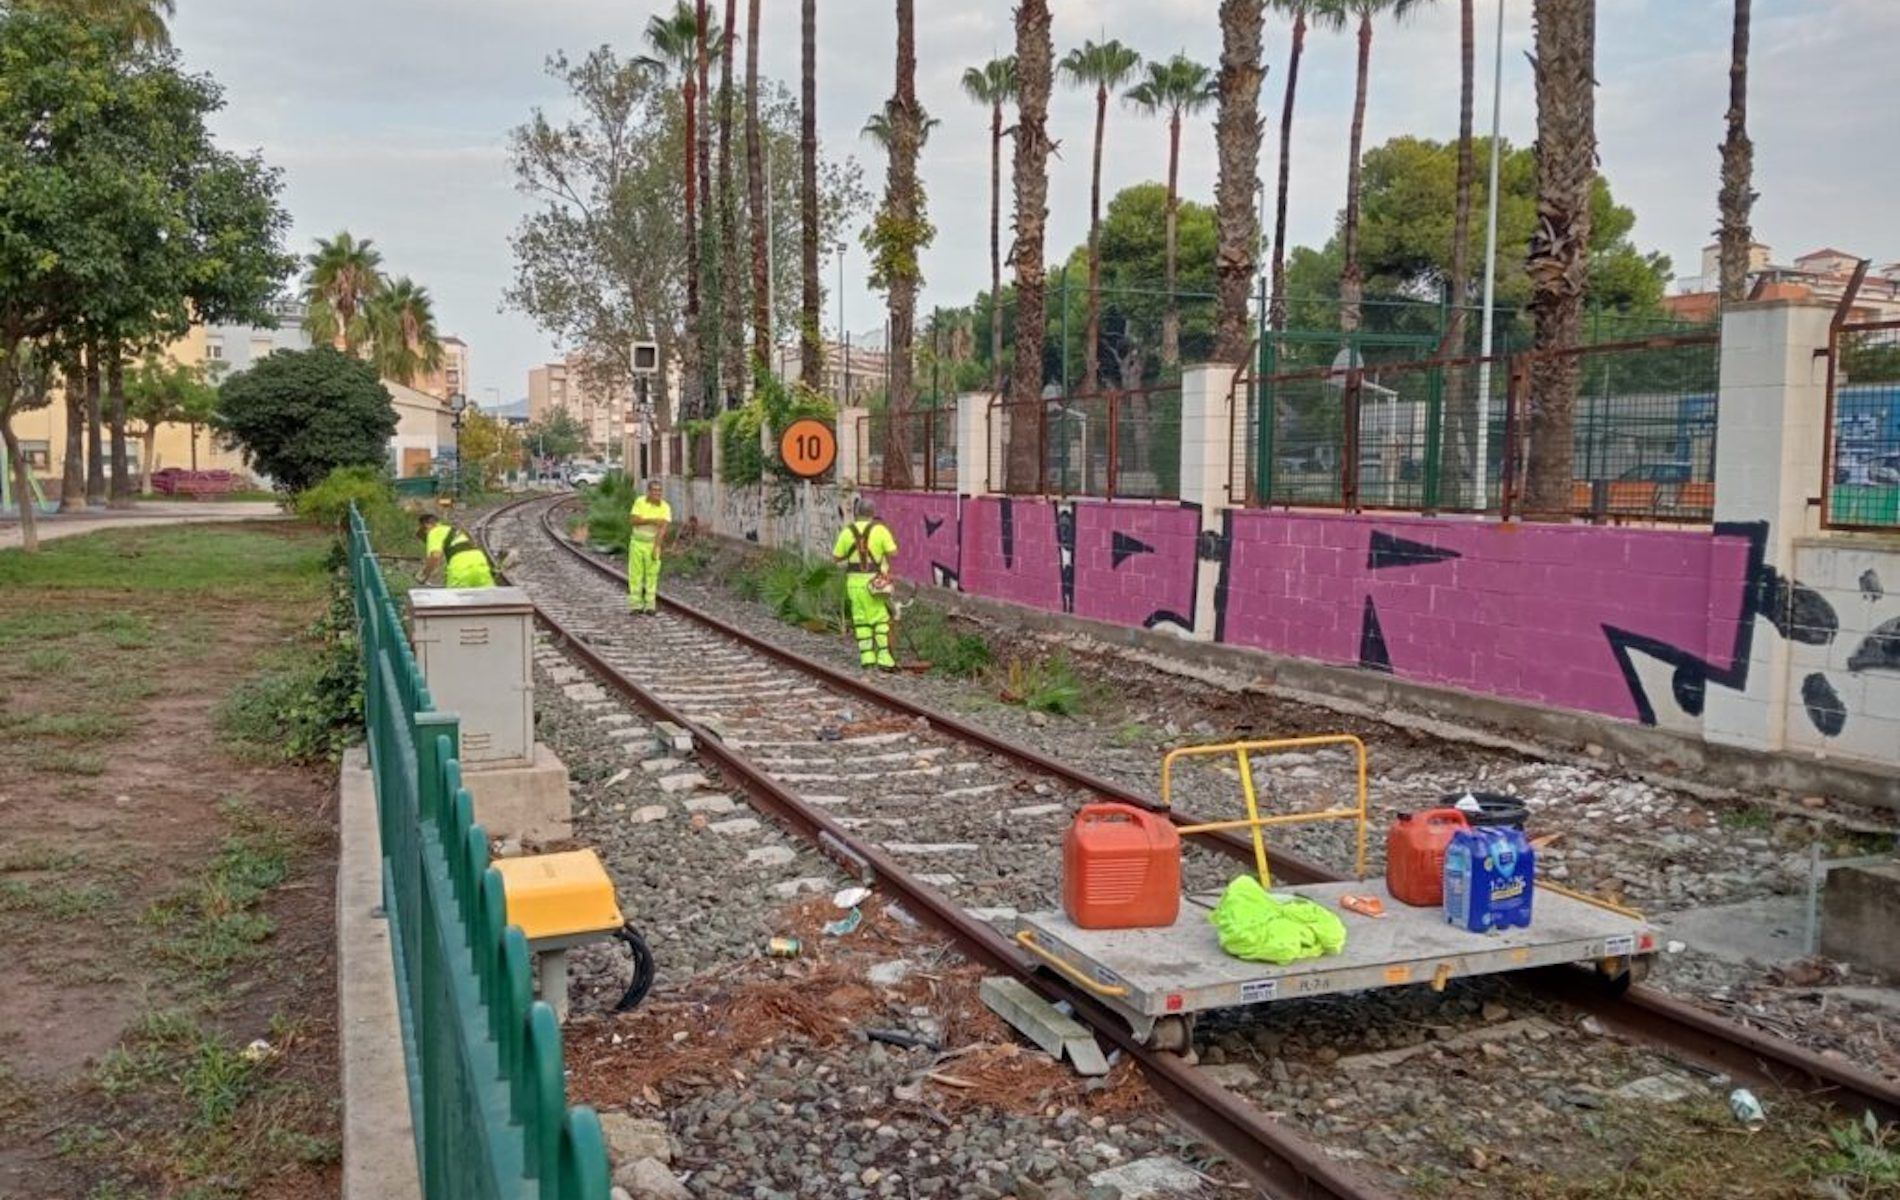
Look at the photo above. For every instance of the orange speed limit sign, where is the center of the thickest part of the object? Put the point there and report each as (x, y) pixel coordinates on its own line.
(808, 447)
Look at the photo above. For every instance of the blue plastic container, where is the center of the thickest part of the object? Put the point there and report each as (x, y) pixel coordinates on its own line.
(1490, 878)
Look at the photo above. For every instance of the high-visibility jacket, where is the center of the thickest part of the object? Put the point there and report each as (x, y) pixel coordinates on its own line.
(464, 565)
(650, 510)
(865, 547)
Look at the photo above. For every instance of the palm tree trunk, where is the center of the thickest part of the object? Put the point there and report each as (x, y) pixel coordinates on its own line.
(1035, 55)
(1276, 309)
(689, 356)
(1171, 317)
(731, 311)
(1461, 409)
(996, 242)
(760, 212)
(95, 428)
(1237, 143)
(906, 135)
(72, 482)
(1351, 284)
(1559, 264)
(1738, 168)
(810, 356)
(707, 331)
(121, 493)
(1092, 340)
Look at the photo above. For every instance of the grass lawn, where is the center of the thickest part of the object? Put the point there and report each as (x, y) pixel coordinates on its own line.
(165, 883)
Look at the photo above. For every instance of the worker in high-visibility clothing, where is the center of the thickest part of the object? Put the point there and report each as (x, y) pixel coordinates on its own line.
(651, 517)
(865, 549)
(464, 564)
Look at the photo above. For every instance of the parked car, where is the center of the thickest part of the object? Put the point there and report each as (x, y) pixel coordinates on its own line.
(586, 474)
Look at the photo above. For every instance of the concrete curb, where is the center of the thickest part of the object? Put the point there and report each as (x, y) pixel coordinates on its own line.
(379, 1136)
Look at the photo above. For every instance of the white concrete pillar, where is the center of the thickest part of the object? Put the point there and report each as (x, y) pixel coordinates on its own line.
(715, 489)
(1771, 420)
(850, 437)
(975, 448)
(1207, 392)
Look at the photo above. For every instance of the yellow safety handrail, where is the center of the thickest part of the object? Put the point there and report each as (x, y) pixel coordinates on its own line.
(1243, 752)
(1027, 939)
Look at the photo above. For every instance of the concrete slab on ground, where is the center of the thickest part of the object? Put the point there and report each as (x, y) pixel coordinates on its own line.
(379, 1140)
(1772, 929)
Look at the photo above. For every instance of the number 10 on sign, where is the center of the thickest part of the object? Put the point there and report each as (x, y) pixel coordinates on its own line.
(808, 447)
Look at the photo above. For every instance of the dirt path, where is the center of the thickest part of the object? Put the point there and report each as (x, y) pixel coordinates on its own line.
(167, 1018)
(149, 513)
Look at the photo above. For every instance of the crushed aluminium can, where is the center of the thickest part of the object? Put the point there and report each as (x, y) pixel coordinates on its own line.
(784, 947)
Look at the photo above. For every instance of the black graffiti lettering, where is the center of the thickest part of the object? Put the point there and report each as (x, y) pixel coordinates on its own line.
(1880, 651)
(1824, 705)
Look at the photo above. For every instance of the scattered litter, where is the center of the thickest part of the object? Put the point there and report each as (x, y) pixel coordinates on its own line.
(845, 924)
(258, 1051)
(1676, 947)
(1365, 906)
(1747, 1109)
(898, 1037)
(831, 734)
(783, 947)
(1593, 1027)
(851, 897)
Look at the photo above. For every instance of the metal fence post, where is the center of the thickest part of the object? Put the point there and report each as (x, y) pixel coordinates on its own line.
(1349, 455)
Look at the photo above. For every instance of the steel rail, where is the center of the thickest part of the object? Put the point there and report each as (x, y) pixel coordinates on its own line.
(1644, 1014)
(1280, 1160)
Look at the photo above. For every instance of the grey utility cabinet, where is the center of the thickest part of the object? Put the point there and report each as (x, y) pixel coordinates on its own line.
(476, 650)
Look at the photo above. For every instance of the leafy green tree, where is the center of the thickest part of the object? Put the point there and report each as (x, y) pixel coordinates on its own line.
(1135, 308)
(489, 447)
(300, 414)
(557, 436)
(1351, 278)
(160, 391)
(142, 22)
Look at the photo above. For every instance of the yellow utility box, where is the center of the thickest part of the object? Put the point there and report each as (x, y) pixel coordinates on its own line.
(560, 899)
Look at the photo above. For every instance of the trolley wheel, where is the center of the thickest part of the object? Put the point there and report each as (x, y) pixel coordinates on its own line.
(1173, 1034)
(1616, 975)
(643, 970)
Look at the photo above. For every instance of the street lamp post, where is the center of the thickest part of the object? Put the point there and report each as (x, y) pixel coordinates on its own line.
(1483, 433)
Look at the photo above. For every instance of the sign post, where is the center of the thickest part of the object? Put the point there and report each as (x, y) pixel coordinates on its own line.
(808, 447)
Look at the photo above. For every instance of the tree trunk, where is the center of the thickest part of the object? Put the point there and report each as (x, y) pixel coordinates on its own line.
(95, 429)
(1738, 168)
(194, 445)
(1559, 263)
(121, 493)
(149, 458)
(1276, 310)
(810, 352)
(1351, 284)
(996, 243)
(1237, 144)
(22, 484)
(689, 356)
(1461, 409)
(731, 311)
(1092, 339)
(760, 210)
(1171, 318)
(706, 331)
(1035, 56)
(905, 214)
(72, 477)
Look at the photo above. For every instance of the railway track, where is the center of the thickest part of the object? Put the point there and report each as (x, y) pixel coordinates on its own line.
(869, 793)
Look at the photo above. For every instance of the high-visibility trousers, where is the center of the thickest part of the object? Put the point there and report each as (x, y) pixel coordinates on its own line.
(468, 569)
(643, 576)
(870, 620)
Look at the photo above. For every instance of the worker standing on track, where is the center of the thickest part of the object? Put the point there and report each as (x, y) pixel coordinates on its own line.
(650, 519)
(865, 549)
(464, 564)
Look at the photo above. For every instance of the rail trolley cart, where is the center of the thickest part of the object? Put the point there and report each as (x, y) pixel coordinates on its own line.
(1158, 979)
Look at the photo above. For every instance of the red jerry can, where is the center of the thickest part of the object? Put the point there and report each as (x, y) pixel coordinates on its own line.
(1121, 868)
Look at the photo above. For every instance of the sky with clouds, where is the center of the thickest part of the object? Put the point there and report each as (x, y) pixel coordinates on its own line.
(389, 118)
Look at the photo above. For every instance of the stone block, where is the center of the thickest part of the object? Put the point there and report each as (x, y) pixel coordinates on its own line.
(1860, 909)
(1040, 1022)
(528, 803)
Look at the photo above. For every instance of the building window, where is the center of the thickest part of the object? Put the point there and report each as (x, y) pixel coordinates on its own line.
(38, 455)
(261, 348)
(214, 350)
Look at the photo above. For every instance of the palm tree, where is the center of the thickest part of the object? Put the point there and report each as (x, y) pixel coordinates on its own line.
(810, 352)
(1738, 167)
(340, 277)
(143, 22)
(1035, 77)
(1179, 87)
(1462, 416)
(898, 237)
(1351, 281)
(1328, 14)
(402, 326)
(706, 334)
(1237, 145)
(1559, 262)
(760, 214)
(879, 128)
(731, 324)
(674, 39)
(994, 84)
(1104, 66)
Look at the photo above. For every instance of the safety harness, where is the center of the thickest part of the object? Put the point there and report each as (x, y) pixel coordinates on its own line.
(861, 558)
(458, 542)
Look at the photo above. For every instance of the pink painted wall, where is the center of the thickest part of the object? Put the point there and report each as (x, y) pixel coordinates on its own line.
(1031, 574)
(925, 526)
(1147, 583)
(1523, 611)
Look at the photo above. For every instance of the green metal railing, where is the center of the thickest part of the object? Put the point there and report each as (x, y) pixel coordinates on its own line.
(486, 1086)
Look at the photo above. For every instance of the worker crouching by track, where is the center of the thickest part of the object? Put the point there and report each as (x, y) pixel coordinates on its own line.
(464, 564)
(865, 549)
(650, 520)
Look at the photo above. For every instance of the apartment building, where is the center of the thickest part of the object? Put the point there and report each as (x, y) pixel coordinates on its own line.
(606, 415)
